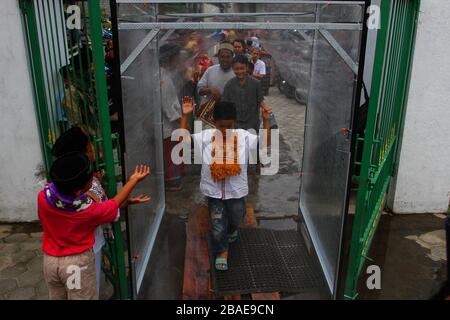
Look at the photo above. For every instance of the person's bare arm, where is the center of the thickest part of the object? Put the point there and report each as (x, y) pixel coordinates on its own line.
(258, 76)
(139, 174)
(135, 200)
(266, 124)
(205, 90)
(264, 105)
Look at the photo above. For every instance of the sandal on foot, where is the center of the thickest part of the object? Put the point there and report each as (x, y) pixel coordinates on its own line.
(221, 264)
(233, 237)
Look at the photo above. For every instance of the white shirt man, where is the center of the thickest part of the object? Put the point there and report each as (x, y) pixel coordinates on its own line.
(260, 67)
(215, 77)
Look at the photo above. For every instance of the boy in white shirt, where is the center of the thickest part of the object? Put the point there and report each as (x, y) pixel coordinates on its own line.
(225, 155)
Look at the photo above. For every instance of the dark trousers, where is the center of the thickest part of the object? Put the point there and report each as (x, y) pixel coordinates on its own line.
(225, 218)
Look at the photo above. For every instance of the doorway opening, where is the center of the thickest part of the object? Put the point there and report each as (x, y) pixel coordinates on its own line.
(311, 52)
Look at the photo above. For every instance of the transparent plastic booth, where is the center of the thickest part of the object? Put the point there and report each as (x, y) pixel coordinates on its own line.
(311, 50)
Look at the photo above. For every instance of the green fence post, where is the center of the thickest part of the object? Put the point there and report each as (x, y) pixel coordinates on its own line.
(105, 127)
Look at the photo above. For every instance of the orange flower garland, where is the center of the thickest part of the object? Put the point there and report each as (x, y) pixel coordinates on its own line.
(221, 166)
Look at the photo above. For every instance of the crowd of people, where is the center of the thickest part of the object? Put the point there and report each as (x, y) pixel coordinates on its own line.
(234, 78)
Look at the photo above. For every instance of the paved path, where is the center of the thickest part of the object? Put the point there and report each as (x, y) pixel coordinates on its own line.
(21, 274)
(290, 116)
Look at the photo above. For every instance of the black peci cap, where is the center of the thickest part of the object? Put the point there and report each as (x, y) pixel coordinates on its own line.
(72, 140)
(71, 172)
(225, 111)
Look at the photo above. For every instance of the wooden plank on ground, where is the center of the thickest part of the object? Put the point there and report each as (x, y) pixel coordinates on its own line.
(197, 280)
(250, 219)
(238, 297)
(266, 296)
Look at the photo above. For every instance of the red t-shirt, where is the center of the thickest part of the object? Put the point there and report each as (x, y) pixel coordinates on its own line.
(68, 233)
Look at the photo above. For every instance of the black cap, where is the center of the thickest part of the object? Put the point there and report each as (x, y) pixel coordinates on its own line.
(224, 110)
(71, 172)
(72, 140)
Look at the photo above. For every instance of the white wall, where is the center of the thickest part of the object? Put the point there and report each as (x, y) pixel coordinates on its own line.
(423, 179)
(19, 139)
(370, 54)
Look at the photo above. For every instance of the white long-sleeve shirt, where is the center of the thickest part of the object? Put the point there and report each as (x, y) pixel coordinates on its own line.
(232, 187)
(215, 77)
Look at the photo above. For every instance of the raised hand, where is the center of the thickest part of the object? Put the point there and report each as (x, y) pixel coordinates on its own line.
(187, 105)
(266, 111)
(140, 172)
(140, 199)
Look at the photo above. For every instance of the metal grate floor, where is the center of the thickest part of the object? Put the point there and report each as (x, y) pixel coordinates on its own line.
(264, 260)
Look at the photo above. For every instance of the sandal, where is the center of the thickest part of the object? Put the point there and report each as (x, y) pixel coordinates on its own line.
(233, 237)
(221, 264)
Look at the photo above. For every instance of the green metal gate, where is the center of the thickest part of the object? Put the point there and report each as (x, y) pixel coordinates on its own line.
(390, 83)
(66, 56)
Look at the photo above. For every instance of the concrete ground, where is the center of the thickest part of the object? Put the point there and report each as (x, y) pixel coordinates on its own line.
(410, 251)
(21, 275)
(408, 248)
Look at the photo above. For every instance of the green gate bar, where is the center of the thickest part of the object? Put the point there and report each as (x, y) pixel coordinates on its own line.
(105, 127)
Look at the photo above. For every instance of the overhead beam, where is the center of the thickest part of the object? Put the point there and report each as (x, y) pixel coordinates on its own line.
(239, 25)
(348, 2)
(234, 14)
